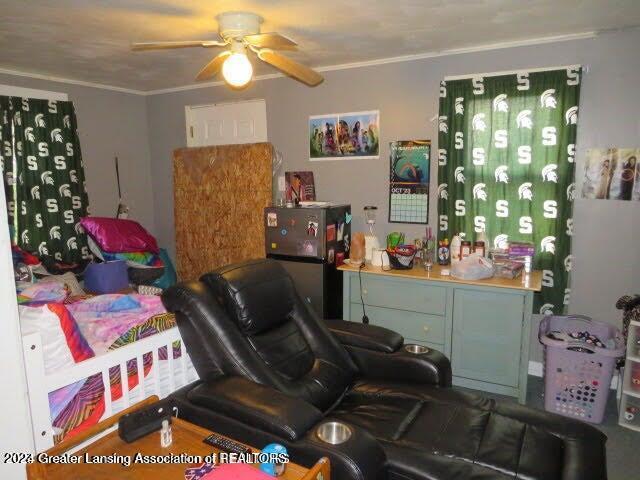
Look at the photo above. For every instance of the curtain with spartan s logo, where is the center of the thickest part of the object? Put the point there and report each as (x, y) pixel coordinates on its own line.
(43, 177)
(506, 167)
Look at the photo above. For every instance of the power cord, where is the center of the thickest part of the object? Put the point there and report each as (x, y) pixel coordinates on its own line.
(365, 319)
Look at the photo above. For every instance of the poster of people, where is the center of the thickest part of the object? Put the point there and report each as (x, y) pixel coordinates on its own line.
(300, 187)
(612, 173)
(409, 181)
(339, 136)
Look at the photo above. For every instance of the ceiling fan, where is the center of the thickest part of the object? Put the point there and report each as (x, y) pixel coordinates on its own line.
(240, 33)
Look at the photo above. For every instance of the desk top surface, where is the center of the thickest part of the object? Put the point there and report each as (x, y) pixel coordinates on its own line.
(527, 281)
(187, 439)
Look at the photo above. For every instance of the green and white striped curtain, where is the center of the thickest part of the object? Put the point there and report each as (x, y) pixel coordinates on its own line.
(43, 177)
(506, 163)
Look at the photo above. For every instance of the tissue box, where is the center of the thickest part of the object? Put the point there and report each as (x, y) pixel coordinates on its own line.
(107, 277)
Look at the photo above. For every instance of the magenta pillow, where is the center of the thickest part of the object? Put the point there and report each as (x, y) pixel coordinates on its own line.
(114, 235)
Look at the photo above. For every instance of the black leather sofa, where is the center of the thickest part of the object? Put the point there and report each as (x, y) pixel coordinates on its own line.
(271, 371)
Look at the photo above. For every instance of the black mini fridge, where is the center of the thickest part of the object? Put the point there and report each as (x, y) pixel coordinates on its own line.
(309, 242)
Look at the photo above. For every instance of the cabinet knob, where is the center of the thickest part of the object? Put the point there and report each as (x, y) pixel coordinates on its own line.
(364, 291)
(426, 329)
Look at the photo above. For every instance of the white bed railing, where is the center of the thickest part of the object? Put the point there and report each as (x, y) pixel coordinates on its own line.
(40, 383)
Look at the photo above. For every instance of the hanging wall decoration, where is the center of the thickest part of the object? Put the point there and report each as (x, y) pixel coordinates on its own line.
(300, 186)
(341, 136)
(612, 173)
(506, 164)
(409, 181)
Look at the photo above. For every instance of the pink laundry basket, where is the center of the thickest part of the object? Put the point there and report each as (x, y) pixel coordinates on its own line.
(578, 374)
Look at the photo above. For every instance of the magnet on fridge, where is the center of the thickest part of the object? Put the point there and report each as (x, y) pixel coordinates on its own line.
(283, 232)
(339, 259)
(340, 233)
(347, 218)
(331, 232)
(312, 228)
(331, 256)
(274, 245)
(272, 219)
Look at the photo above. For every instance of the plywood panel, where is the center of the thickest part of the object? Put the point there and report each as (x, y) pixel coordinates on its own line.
(220, 193)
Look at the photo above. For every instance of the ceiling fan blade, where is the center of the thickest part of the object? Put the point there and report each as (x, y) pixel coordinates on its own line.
(212, 68)
(167, 45)
(271, 40)
(290, 67)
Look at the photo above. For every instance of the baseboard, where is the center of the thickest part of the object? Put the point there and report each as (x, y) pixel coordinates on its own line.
(536, 370)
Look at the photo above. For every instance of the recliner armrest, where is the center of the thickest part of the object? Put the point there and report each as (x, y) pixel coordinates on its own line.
(257, 405)
(432, 367)
(370, 337)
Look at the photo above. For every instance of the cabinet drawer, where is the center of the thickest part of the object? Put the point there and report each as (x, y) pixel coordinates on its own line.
(404, 295)
(419, 326)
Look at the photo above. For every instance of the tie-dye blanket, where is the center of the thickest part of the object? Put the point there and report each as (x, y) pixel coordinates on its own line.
(106, 322)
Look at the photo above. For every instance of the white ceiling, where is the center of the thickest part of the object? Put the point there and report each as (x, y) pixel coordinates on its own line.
(88, 40)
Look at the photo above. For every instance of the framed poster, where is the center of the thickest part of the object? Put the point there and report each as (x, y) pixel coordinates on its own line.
(612, 173)
(300, 186)
(409, 181)
(341, 136)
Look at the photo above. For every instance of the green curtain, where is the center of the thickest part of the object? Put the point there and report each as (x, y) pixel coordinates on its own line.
(506, 164)
(43, 177)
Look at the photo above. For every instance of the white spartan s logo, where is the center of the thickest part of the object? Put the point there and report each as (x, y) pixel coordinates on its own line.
(442, 124)
(39, 120)
(54, 233)
(25, 236)
(479, 192)
(501, 174)
(525, 192)
(549, 173)
(72, 176)
(66, 121)
(64, 190)
(548, 244)
(28, 132)
(568, 262)
(459, 174)
(547, 99)
(571, 115)
(72, 244)
(442, 191)
(546, 309)
(18, 118)
(500, 103)
(571, 192)
(524, 119)
(478, 123)
(46, 178)
(35, 192)
(459, 106)
(78, 228)
(42, 249)
(56, 135)
(501, 241)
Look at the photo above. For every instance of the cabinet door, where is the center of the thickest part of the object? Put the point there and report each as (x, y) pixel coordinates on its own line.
(487, 327)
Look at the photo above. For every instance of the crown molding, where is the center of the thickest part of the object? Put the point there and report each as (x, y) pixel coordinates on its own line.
(327, 68)
(70, 81)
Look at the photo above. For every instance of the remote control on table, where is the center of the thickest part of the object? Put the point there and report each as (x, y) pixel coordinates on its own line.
(226, 444)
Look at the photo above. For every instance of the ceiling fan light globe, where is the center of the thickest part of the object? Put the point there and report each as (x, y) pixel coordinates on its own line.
(237, 70)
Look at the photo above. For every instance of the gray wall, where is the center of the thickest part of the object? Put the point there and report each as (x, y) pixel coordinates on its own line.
(109, 123)
(606, 232)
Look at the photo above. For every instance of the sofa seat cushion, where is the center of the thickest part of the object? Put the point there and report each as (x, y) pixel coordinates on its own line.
(435, 433)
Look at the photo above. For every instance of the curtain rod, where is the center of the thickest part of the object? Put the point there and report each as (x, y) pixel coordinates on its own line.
(509, 72)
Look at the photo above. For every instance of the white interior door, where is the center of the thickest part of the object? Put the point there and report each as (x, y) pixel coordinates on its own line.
(226, 123)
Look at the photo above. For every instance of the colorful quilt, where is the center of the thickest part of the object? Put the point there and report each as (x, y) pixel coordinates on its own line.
(105, 322)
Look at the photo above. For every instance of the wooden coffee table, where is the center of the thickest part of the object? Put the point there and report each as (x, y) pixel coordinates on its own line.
(187, 441)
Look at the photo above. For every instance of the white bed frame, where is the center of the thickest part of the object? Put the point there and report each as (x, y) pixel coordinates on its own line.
(40, 384)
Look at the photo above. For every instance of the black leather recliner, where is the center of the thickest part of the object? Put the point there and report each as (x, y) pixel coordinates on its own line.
(270, 371)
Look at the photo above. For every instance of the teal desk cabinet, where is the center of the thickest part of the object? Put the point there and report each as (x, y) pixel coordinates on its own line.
(482, 326)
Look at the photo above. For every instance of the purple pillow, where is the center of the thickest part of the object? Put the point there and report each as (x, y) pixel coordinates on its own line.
(114, 235)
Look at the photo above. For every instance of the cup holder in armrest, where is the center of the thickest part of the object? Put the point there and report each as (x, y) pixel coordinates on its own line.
(334, 433)
(416, 349)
